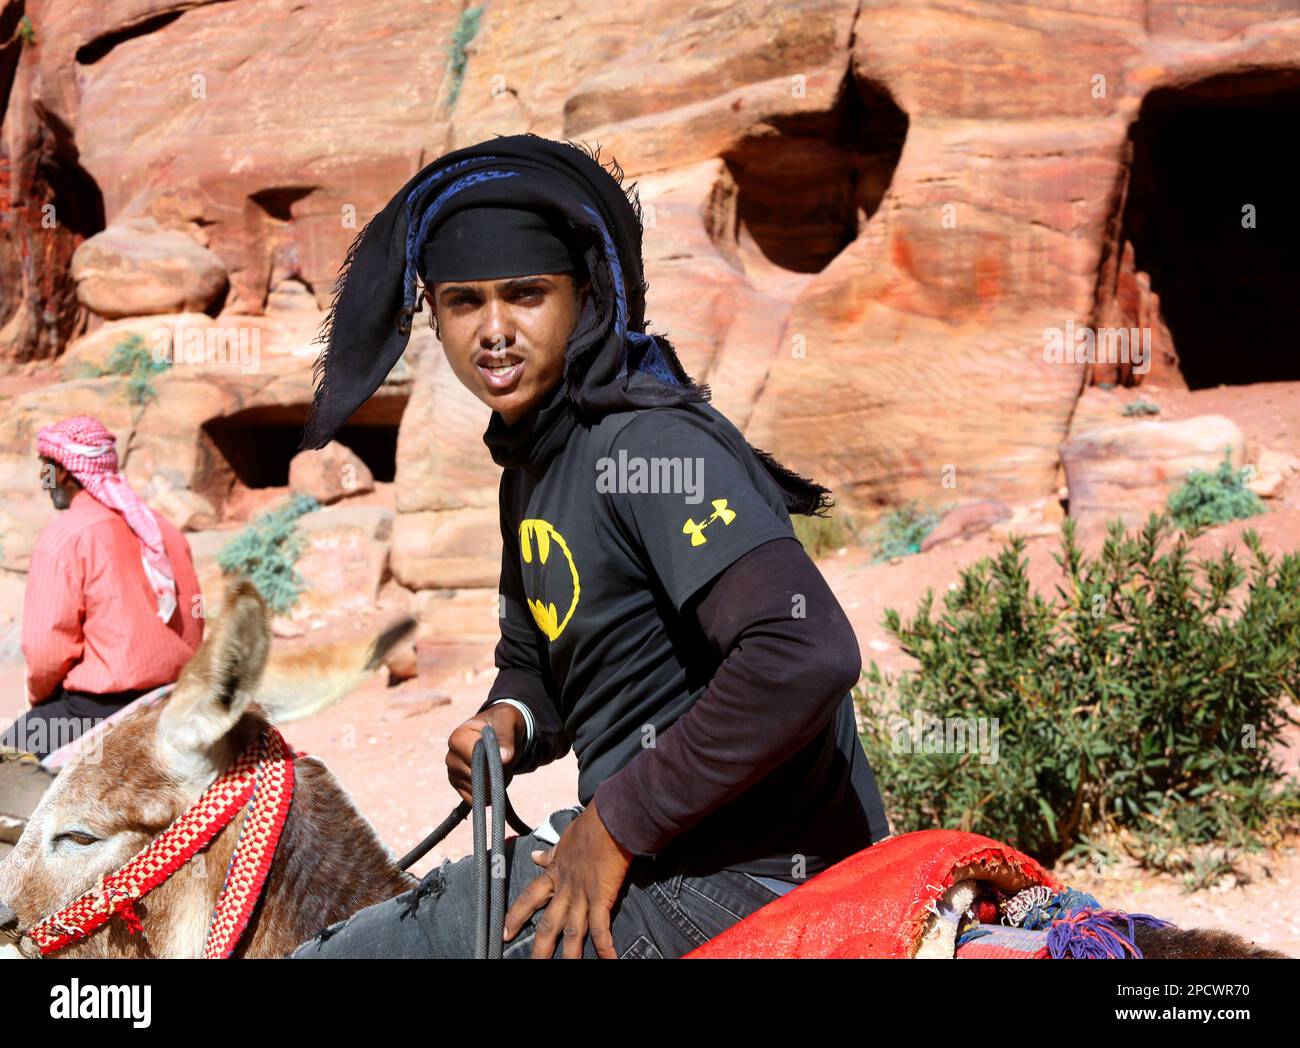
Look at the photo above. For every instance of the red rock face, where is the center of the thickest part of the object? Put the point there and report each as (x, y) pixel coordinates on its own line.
(330, 474)
(861, 219)
(239, 124)
(39, 312)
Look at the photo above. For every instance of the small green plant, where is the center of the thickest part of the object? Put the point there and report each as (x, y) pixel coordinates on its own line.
(820, 535)
(267, 550)
(26, 31)
(466, 29)
(1205, 499)
(132, 360)
(1139, 708)
(901, 531)
(1140, 407)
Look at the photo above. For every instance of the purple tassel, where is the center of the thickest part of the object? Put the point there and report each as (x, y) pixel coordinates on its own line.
(1093, 935)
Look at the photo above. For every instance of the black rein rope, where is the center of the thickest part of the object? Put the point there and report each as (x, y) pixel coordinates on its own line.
(488, 788)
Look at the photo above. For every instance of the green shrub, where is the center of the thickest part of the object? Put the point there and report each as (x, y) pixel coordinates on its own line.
(267, 550)
(132, 359)
(1205, 498)
(466, 29)
(1140, 407)
(1138, 708)
(901, 531)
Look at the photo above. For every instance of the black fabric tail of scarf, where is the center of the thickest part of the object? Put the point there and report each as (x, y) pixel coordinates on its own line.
(802, 494)
(314, 425)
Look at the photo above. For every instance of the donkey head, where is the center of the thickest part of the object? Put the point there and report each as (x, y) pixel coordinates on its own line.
(113, 798)
(146, 768)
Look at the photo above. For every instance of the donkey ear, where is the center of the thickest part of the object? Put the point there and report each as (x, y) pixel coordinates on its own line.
(217, 685)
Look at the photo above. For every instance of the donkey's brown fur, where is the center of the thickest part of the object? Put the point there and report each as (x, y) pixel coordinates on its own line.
(148, 767)
(1197, 944)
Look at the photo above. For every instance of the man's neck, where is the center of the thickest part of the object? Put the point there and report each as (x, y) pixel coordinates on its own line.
(514, 421)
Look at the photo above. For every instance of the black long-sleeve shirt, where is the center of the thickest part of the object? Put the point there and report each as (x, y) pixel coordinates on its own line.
(683, 642)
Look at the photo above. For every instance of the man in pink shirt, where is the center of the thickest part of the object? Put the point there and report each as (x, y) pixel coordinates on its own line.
(111, 608)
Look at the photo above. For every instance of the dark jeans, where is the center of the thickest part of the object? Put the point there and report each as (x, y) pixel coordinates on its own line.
(663, 911)
(63, 717)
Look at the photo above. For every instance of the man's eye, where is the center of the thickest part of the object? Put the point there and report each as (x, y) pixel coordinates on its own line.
(77, 837)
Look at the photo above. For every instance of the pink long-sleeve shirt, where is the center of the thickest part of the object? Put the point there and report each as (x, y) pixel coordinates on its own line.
(90, 619)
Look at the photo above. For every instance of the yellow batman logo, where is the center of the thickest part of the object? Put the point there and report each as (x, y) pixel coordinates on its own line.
(531, 530)
(696, 531)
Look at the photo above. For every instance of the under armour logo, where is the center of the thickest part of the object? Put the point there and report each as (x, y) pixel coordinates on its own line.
(696, 531)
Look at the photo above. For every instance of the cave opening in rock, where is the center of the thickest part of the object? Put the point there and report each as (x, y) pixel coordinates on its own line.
(253, 448)
(1207, 157)
(278, 201)
(805, 186)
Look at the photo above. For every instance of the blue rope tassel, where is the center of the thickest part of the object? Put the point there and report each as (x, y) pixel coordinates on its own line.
(972, 932)
(1061, 905)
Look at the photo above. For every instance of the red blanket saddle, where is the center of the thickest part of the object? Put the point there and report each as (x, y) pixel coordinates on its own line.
(877, 902)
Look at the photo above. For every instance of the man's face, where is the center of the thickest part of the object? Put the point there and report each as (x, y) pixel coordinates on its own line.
(57, 481)
(505, 339)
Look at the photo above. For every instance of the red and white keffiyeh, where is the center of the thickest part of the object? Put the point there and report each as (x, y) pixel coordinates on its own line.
(88, 451)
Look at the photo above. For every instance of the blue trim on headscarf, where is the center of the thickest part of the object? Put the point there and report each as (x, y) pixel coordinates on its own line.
(649, 359)
(412, 232)
(616, 271)
(417, 232)
(648, 356)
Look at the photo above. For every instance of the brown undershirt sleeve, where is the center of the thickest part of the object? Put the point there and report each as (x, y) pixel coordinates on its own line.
(790, 658)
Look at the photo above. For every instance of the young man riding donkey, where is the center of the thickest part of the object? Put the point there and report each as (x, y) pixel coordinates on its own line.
(670, 629)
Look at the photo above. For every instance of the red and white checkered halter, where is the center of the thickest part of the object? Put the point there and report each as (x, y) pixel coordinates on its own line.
(88, 451)
(261, 782)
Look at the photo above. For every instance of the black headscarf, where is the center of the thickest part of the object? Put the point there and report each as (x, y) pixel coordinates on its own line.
(611, 363)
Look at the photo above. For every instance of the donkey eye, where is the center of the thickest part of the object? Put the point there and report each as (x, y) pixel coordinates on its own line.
(78, 838)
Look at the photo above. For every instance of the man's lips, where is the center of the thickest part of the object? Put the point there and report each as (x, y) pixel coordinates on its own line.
(500, 371)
